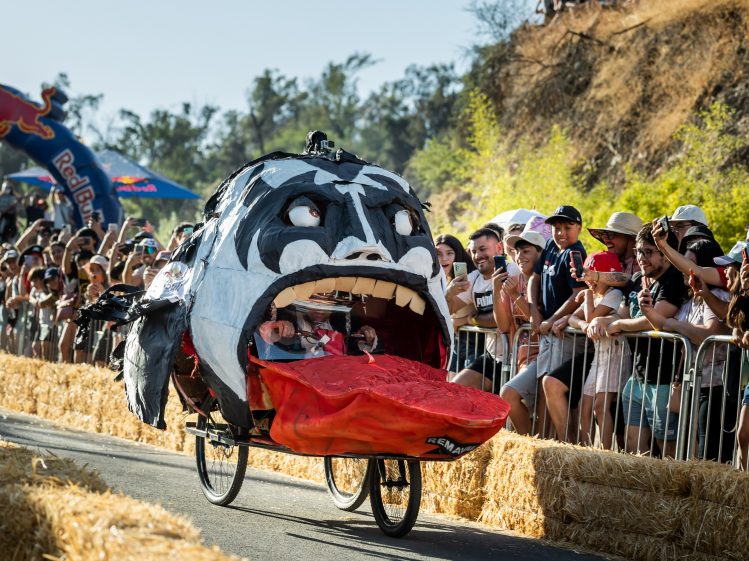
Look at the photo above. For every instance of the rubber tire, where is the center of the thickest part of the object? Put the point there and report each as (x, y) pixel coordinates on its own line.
(341, 499)
(221, 498)
(391, 528)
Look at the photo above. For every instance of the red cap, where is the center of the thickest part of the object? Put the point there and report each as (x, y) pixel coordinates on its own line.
(603, 262)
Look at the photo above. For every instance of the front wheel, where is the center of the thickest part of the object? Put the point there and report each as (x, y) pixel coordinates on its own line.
(395, 495)
(221, 467)
(348, 481)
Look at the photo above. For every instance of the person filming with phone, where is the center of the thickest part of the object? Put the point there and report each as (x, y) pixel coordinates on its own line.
(476, 289)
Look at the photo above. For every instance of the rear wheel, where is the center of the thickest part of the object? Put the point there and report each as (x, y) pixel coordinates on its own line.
(395, 495)
(221, 466)
(348, 481)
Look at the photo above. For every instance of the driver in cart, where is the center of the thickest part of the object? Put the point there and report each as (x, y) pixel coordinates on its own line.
(317, 327)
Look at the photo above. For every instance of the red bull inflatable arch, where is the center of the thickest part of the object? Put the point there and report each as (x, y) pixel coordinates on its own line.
(37, 130)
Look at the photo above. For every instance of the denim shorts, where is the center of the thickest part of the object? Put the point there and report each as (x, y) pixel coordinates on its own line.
(647, 406)
(745, 401)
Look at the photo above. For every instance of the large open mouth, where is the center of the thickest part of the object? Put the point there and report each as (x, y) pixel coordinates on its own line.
(397, 305)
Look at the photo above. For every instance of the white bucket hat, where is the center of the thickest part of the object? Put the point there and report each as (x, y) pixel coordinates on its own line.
(624, 223)
(690, 212)
(530, 236)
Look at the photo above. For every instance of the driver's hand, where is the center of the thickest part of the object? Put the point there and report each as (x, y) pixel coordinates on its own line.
(274, 331)
(369, 334)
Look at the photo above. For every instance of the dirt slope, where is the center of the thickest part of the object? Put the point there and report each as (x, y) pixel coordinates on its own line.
(621, 81)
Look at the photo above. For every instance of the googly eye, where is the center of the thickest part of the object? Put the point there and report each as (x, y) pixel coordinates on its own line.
(303, 215)
(402, 222)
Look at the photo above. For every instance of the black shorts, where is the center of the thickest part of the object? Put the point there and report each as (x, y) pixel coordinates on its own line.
(486, 365)
(572, 374)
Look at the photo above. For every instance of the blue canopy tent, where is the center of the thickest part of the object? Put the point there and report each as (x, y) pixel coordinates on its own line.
(129, 178)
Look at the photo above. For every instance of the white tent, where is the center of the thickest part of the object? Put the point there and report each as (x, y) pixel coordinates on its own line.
(515, 216)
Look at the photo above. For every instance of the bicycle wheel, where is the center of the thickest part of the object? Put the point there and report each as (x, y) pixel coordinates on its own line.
(221, 467)
(348, 481)
(395, 495)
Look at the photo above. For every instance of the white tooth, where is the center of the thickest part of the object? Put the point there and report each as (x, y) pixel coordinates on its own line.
(345, 284)
(323, 286)
(304, 291)
(383, 289)
(403, 295)
(284, 298)
(363, 286)
(417, 304)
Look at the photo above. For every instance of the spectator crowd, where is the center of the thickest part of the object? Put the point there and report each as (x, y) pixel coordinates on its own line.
(594, 359)
(49, 269)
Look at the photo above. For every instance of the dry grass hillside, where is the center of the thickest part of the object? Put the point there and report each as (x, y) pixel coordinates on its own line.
(621, 81)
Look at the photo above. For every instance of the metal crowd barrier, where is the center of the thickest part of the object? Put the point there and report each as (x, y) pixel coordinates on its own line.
(24, 338)
(470, 346)
(719, 375)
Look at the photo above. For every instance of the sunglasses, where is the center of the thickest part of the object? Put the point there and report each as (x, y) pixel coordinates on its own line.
(150, 250)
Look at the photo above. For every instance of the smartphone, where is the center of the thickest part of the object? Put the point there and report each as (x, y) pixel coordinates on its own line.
(500, 263)
(140, 222)
(460, 268)
(139, 249)
(187, 230)
(67, 230)
(577, 263)
(663, 221)
(96, 216)
(112, 227)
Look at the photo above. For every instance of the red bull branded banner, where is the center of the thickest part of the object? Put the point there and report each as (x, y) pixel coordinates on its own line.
(36, 130)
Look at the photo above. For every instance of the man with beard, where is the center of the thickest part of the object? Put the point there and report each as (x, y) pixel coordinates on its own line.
(477, 289)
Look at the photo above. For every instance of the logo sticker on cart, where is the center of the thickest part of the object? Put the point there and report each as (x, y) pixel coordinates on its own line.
(448, 446)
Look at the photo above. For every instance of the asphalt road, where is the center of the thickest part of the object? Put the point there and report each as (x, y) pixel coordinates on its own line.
(274, 516)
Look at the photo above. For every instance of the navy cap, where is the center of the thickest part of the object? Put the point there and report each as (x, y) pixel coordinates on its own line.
(567, 213)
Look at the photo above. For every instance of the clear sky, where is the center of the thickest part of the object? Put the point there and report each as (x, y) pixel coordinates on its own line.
(152, 54)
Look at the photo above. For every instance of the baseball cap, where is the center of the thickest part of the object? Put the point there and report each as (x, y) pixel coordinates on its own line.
(603, 262)
(142, 236)
(624, 223)
(100, 260)
(567, 213)
(689, 212)
(51, 273)
(163, 256)
(530, 236)
(734, 256)
(10, 254)
(31, 250)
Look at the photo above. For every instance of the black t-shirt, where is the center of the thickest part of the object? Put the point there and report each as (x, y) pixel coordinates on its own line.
(557, 283)
(659, 369)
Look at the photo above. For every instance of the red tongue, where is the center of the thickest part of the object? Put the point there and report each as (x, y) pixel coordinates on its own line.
(376, 405)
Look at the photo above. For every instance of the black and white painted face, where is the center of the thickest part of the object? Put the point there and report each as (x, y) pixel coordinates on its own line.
(282, 229)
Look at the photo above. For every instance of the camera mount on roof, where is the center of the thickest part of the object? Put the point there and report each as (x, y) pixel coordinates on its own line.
(317, 144)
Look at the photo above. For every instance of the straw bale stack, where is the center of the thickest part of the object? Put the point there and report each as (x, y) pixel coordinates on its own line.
(60, 511)
(641, 508)
(457, 488)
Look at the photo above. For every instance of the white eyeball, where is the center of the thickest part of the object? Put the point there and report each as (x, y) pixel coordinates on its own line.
(304, 216)
(403, 224)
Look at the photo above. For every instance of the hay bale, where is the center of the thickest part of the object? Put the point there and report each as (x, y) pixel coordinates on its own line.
(628, 510)
(502, 515)
(457, 488)
(63, 512)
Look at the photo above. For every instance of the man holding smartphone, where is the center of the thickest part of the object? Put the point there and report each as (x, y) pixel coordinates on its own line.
(476, 289)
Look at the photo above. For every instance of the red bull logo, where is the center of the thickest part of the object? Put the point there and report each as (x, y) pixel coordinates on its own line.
(15, 110)
(80, 185)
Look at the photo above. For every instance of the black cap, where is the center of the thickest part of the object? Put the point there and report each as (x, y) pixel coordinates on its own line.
(694, 233)
(31, 250)
(567, 213)
(51, 273)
